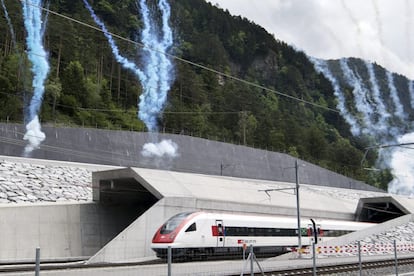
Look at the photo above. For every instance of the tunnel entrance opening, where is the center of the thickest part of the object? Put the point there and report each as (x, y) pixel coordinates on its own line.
(378, 210)
(120, 202)
(126, 195)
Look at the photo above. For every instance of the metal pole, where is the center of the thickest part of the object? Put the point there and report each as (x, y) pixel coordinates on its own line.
(251, 260)
(359, 258)
(298, 210)
(395, 256)
(314, 259)
(169, 258)
(315, 232)
(37, 268)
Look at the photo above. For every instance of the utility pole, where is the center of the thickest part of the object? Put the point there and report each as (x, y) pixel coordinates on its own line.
(298, 208)
(296, 190)
(243, 124)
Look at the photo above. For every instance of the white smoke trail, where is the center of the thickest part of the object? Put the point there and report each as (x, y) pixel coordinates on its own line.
(32, 14)
(382, 112)
(33, 135)
(399, 110)
(9, 23)
(165, 148)
(157, 75)
(402, 165)
(360, 94)
(322, 67)
(158, 66)
(410, 84)
(127, 64)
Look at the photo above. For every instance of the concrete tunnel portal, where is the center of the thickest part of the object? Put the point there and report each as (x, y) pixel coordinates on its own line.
(125, 193)
(149, 197)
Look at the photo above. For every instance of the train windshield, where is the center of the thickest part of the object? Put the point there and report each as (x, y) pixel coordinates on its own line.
(173, 222)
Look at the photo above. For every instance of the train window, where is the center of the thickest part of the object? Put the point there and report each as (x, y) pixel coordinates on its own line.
(191, 228)
(173, 222)
(259, 231)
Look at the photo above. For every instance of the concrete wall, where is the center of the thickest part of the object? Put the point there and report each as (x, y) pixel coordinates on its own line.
(122, 148)
(62, 231)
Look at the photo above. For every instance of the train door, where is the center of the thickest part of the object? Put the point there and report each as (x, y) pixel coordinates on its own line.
(315, 235)
(220, 233)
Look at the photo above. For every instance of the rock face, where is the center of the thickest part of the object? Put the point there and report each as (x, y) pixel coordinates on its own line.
(24, 182)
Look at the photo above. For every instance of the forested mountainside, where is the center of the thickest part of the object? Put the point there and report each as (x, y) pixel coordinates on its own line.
(266, 105)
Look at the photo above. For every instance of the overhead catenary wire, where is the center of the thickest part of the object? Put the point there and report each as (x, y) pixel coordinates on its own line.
(187, 61)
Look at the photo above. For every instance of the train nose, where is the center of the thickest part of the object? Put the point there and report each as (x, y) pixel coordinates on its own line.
(164, 238)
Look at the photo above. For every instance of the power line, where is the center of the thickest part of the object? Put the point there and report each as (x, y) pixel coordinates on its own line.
(403, 145)
(187, 61)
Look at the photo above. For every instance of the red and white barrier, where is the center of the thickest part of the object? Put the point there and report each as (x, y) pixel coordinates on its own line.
(377, 248)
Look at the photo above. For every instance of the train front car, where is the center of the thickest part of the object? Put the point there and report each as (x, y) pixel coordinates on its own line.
(171, 234)
(201, 234)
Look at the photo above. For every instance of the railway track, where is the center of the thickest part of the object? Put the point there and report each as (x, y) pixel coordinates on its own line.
(322, 269)
(70, 265)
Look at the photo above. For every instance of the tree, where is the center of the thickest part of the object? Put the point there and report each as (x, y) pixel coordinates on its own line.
(315, 143)
(53, 90)
(74, 83)
(247, 125)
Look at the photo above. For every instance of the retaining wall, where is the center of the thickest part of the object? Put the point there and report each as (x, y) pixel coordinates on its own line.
(62, 231)
(196, 155)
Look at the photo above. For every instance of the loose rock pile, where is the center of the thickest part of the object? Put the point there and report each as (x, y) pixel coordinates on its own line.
(24, 182)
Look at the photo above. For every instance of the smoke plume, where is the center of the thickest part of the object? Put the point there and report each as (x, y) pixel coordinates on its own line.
(33, 135)
(402, 165)
(32, 15)
(165, 148)
(399, 110)
(410, 84)
(158, 66)
(322, 67)
(157, 73)
(381, 111)
(384, 121)
(360, 93)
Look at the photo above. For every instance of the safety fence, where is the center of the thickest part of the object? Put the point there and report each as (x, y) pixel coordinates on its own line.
(365, 249)
(247, 264)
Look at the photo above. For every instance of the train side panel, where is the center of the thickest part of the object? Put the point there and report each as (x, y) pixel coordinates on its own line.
(205, 234)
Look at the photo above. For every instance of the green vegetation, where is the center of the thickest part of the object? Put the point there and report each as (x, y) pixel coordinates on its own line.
(87, 87)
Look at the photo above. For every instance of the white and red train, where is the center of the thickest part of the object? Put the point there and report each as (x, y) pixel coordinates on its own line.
(198, 234)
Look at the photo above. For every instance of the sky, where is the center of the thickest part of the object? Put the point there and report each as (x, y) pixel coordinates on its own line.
(380, 31)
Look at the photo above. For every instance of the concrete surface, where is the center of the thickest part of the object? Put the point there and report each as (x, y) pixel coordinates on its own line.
(61, 230)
